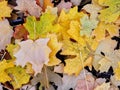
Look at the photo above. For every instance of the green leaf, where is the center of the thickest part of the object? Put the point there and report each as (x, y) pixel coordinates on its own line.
(87, 25)
(40, 28)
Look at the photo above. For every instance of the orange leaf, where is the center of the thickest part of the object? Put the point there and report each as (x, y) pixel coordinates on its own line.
(47, 3)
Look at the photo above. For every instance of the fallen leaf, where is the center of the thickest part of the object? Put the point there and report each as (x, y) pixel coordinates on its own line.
(35, 52)
(103, 28)
(5, 10)
(30, 6)
(55, 46)
(47, 3)
(104, 64)
(18, 76)
(104, 86)
(87, 25)
(41, 28)
(64, 5)
(20, 32)
(117, 72)
(3, 66)
(6, 33)
(111, 12)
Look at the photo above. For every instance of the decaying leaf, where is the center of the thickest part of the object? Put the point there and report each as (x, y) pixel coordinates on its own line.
(104, 64)
(64, 5)
(104, 86)
(35, 52)
(20, 32)
(93, 10)
(6, 33)
(105, 50)
(117, 72)
(30, 6)
(45, 77)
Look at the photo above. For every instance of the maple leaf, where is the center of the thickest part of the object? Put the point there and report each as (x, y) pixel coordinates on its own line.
(64, 5)
(104, 86)
(45, 77)
(35, 52)
(5, 10)
(47, 3)
(73, 45)
(55, 46)
(3, 66)
(11, 49)
(6, 33)
(103, 29)
(67, 84)
(19, 76)
(41, 28)
(28, 68)
(66, 17)
(93, 10)
(74, 32)
(105, 53)
(87, 25)
(105, 64)
(79, 54)
(117, 72)
(76, 2)
(30, 6)
(112, 12)
(86, 83)
(20, 32)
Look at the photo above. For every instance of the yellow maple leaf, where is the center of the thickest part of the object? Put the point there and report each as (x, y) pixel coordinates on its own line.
(73, 45)
(19, 76)
(66, 17)
(3, 66)
(117, 72)
(5, 10)
(74, 32)
(75, 65)
(11, 49)
(55, 46)
(112, 12)
(103, 28)
(29, 68)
